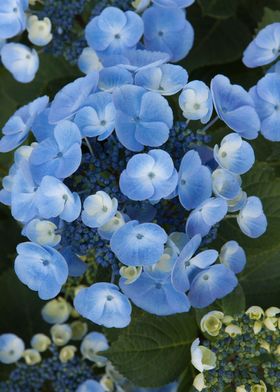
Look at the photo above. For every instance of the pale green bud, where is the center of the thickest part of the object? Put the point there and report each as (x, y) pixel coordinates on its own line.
(261, 387)
(199, 382)
(212, 322)
(201, 357)
(67, 353)
(233, 330)
(79, 329)
(131, 274)
(255, 312)
(61, 334)
(56, 311)
(107, 383)
(272, 311)
(241, 388)
(257, 327)
(32, 356)
(40, 342)
(271, 323)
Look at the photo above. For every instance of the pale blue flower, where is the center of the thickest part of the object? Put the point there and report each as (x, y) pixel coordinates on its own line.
(210, 284)
(251, 218)
(59, 155)
(92, 345)
(103, 304)
(11, 348)
(238, 202)
(162, 27)
(43, 232)
(166, 79)
(232, 255)
(187, 263)
(89, 61)
(55, 199)
(234, 154)
(226, 184)
(196, 101)
(266, 95)
(16, 129)
(41, 127)
(265, 47)
(235, 107)
(114, 31)
(205, 216)
(90, 386)
(21, 61)
(42, 269)
(138, 244)
(275, 68)
(173, 3)
(12, 17)
(112, 77)
(155, 296)
(143, 118)
(98, 209)
(149, 176)
(72, 97)
(97, 117)
(194, 183)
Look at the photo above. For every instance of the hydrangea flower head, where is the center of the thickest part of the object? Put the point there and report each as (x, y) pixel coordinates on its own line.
(11, 348)
(138, 244)
(103, 304)
(114, 31)
(265, 47)
(266, 95)
(21, 61)
(163, 26)
(143, 118)
(12, 17)
(235, 107)
(42, 269)
(196, 101)
(15, 131)
(149, 176)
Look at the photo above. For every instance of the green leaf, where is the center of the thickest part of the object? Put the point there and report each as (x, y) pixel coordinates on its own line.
(260, 278)
(218, 8)
(234, 303)
(217, 42)
(186, 379)
(269, 16)
(20, 308)
(153, 351)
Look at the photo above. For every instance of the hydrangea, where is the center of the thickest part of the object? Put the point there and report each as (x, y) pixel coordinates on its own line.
(98, 209)
(12, 18)
(149, 176)
(11, 348)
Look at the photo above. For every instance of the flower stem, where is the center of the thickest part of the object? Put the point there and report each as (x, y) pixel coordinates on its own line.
(89, 146)
(207, 126)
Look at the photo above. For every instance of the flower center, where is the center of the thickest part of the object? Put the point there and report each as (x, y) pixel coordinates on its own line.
(139, 236)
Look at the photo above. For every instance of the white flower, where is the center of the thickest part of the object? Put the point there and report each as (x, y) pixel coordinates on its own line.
(11, 348)
(40, 342)
(32, 356)
(61, 334)
(39, 31)
(202, 358)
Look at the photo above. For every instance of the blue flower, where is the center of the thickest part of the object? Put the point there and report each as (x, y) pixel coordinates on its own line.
(162, 27)
(55, 199)
(251, 218)
(232, 255)
(149, 176)
(42, 269)
(205, 216)
(11, 348)
(92, 345)
(143, 118)
(58, 156)
(103, 304)
(22, 62)
(173, 3)
(42, 232)
(98, 209)
(72, 97)
(112, 77)
(235, 154)
(16, 129)
(24, 194)
(89, 386)
(196, 101)
(12, 17)
(114, 31)
(235, 107)
(166, 79)
(264, 48)
(194, 183)
(97, 117)
(41, 127)
(138, 244)
(266, 95)
(187, 263)
(89, 61)
(210, 284)
(155, 296)
(226, 184)
(135, 60)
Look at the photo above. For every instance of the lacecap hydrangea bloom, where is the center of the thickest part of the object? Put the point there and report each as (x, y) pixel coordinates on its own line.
(115, 186)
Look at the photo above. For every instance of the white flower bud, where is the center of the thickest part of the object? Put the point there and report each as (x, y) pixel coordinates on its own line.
(39, 31)
(241, 388)
(43, 232)
(107, 383)
(255, 312)
(40, 342)
(202, 358)
(272, 311)
(212, 323)
(199, 382)
(131, 274)
(257, 327)
(32, 356)
(261, 387)
(67, 353)
(56, 311)
(61, 334)
(233, 330)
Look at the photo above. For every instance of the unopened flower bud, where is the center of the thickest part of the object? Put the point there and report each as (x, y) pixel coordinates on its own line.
(255, 312)
(212, 322)
(61, 334)
(40, 342)
(32, 356)
(67, 353)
